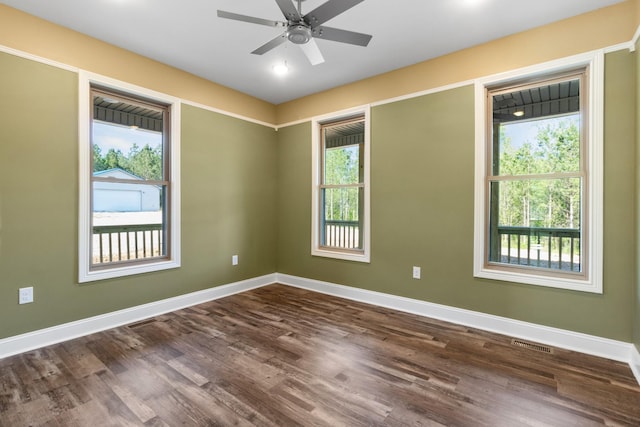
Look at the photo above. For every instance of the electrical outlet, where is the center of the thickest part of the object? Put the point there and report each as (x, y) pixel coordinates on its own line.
(416, 272)
(25, 295)
(234, 260)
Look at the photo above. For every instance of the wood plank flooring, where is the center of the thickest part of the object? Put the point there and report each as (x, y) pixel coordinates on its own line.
(289, 357)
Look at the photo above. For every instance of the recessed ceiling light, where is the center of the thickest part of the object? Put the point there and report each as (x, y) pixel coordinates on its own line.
(281, 69)
(518, 113)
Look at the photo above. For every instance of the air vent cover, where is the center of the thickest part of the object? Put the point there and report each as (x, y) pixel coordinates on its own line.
(532, 346)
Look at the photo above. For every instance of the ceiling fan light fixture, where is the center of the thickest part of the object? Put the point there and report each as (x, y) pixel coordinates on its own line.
(281, 68)
(299, 34)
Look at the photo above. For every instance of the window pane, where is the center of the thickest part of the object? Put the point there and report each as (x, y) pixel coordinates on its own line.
(541, 146)
(128, 215)
(536, 128)
(536, 223)
(128, 222)
(342, 165)
(126, 153)
(126, 138)
(341, 222)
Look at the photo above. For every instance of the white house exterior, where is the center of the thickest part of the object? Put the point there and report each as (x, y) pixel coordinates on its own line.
(123, 197)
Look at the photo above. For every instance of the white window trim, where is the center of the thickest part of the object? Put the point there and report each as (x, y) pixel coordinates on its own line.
(85, 274)
(316, 143)
(594, 191)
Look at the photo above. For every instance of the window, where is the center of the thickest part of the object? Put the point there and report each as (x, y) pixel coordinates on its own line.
(341, 189)
(540, 167)
(128, 181)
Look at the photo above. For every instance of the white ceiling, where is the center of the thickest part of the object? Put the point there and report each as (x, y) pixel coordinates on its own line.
(188, 35)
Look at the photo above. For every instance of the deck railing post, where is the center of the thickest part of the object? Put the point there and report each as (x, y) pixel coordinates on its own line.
(122, 233)
(556, 258)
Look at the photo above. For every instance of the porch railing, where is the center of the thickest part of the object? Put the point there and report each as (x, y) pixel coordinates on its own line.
(112, 243)
(342, 234)
(554, 248)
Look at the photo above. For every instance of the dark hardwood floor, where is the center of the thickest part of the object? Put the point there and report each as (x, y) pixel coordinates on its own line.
(284, 356)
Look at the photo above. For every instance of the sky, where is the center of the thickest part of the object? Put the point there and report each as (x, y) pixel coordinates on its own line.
(521, 132)
(122, 138)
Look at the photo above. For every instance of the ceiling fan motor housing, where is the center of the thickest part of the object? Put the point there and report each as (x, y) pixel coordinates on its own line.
(301, 29)
(299, 34)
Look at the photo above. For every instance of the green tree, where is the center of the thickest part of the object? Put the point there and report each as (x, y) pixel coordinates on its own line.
(342, 166)
(98, 161)
(553, 202)
(559, 148)
(115, 159)
(145, 162)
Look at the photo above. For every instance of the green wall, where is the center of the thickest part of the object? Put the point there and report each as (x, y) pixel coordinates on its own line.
(228, 204)
(619, 192)
(246, 190)
(636, 323)
(422, 180)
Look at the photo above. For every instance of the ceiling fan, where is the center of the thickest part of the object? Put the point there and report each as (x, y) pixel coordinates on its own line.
(302, 29)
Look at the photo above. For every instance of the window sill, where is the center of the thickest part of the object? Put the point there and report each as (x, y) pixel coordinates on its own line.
(347, 256)
(129, 270)
(551, 281)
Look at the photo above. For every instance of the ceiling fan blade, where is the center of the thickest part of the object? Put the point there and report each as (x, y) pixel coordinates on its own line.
(250, 19)
(328, 10)
(342, 36)
(271, 44)
(289, 10)
(312, 51)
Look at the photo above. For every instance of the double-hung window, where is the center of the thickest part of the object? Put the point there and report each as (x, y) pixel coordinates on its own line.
(128, 182)
(540, 167)
(341, 189)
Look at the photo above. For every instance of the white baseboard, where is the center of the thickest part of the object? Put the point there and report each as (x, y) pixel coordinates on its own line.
(597, 346)
(589, 344)
(55, 334)
(634, 363)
